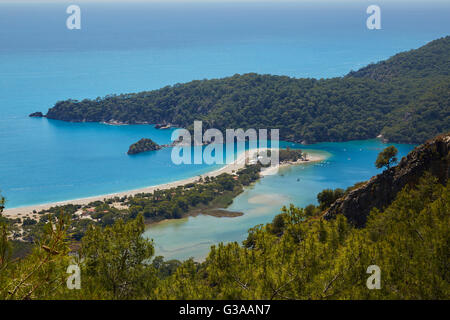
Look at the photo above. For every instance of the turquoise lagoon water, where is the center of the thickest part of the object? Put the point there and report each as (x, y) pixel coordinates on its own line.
(134, 46)
(346, 163)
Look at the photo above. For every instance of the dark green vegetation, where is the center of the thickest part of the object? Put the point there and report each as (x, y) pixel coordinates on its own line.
(387, 157)
(143, 145)
(406, 99)
(328, 196)
(290, 155)
(304, 257)
(287, 155)
(299, 255)
(422, 119)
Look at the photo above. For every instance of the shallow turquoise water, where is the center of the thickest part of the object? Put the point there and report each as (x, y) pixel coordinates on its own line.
(346, 164)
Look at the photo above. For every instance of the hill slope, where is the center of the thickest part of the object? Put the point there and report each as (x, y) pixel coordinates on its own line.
(303, 256)
(430, 60)
(381, 190)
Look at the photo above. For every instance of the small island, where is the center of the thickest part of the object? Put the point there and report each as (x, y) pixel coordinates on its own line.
(143, 145)
(37, 115)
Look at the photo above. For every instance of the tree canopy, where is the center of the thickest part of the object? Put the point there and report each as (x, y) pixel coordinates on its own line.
(387, 157)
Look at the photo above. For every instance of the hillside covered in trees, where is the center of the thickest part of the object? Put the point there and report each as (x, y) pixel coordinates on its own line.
(300, 255)
(405, 98)
(431, 60)
(379, 192)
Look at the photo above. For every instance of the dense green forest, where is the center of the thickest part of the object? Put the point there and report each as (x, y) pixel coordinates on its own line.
(404, 98)
(289, 155)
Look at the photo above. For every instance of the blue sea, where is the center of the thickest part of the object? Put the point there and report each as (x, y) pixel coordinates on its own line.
(130, 47)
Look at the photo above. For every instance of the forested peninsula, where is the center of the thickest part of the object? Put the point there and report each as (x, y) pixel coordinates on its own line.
(403, 99)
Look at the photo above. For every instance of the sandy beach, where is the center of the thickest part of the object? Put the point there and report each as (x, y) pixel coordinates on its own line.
(239, 163)
(273, 170)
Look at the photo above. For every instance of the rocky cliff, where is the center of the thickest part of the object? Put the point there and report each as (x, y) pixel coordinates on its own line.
(381, 190)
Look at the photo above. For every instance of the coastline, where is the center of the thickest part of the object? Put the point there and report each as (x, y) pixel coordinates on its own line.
(310, 159)
(22, 212)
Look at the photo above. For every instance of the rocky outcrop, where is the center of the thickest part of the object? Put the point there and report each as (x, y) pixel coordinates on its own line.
(143, 145)
(37, 115)
(381, 190)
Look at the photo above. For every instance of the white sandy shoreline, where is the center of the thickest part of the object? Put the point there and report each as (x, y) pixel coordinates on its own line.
(239, 163)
